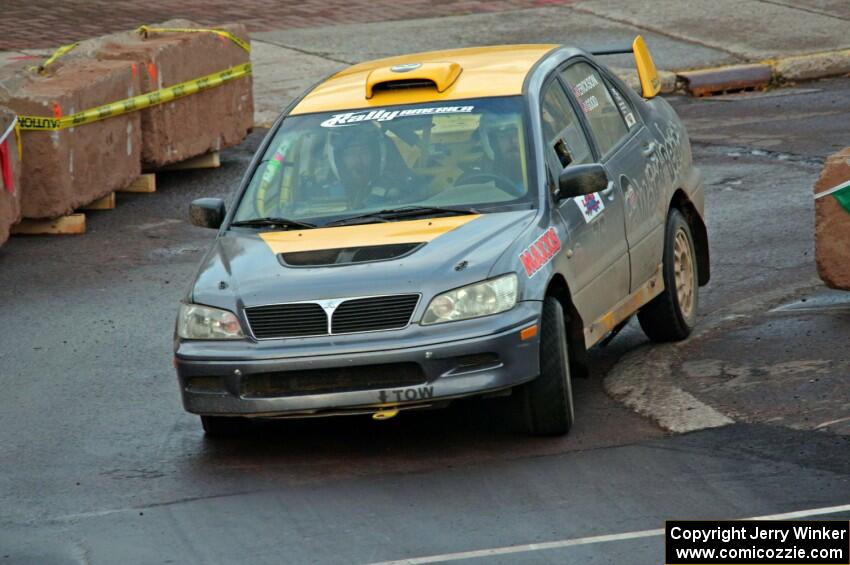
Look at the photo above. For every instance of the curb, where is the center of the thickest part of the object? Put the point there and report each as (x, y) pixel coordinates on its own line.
(811, 66)
(764, 73)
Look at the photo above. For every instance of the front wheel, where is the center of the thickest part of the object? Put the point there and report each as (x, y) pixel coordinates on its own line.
(546, 403)
(671, 315)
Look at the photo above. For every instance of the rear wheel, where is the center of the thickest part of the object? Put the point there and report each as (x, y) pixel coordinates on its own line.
(546, 403)
(671, 315)
(223, 426)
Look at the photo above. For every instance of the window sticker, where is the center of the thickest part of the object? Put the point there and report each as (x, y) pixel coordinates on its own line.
(624, 108)
(581, 90)
(590, 205)
(351, 118)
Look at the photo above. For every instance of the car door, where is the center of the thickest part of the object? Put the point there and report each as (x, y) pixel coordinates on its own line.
(597, 268)
(625, 147)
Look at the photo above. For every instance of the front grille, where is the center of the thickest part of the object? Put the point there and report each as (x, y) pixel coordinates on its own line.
(287, 320)
(306, 319)
(375, 313)
(342, 379)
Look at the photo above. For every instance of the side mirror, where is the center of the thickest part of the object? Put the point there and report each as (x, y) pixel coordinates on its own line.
(207, 212)
(579, 180)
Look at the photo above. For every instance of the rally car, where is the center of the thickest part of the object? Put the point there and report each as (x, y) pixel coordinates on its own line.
(441, 225)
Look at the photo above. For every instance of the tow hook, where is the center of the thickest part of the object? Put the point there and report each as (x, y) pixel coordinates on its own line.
(385, 414)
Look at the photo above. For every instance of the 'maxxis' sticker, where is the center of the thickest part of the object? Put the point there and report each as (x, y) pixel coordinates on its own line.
(590, 205)
(351, 118)
(540, 252)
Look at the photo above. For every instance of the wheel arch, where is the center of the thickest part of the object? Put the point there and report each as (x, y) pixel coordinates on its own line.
(683, 204)
(558, 288)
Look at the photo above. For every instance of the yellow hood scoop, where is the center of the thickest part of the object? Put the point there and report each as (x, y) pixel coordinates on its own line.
(412, 75)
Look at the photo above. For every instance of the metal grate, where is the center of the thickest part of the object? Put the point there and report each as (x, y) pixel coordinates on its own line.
(287, 320)
(375, 313)
(339, 379)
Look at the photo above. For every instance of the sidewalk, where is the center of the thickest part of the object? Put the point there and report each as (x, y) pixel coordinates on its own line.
(297, 45)
(681, 35)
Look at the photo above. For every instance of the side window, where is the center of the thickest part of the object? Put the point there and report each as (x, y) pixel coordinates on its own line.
(562, 134)
(608, 125)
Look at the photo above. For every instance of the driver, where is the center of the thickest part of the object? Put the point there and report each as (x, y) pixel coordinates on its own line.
(368, 167)
(500, 140)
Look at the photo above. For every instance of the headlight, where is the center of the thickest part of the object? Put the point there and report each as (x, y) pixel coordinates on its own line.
(202, 322)
(473, 301)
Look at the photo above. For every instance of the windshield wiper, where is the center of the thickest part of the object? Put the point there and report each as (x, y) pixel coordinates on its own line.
(279, 222)
(402, 212)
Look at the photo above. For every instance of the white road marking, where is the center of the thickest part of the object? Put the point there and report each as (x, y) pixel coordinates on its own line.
(525, 548)
(831, 422)
(642, 381)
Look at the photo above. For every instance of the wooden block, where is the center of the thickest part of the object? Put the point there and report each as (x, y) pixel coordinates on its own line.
(208, 161)
(74, 224)
(105, 203)
(145, 183)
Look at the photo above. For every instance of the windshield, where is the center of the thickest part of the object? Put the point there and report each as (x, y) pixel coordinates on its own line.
(325, 167)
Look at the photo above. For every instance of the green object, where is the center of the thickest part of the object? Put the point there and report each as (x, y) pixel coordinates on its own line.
(843, 197)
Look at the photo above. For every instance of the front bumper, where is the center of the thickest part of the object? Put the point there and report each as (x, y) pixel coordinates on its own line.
(451, 364)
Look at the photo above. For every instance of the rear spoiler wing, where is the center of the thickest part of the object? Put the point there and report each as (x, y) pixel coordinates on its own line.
(647, 73)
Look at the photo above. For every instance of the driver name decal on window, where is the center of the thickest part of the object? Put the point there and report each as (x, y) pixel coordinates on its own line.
(539, 253)
(582, 88)
(351, 118)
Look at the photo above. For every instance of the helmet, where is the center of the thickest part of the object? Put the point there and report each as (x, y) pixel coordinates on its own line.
(492, 125)
(361, 137)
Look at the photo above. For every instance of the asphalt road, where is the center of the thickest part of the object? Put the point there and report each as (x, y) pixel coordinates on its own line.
(99, 464)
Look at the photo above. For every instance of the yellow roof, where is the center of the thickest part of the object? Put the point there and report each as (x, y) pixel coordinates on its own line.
(484, 71)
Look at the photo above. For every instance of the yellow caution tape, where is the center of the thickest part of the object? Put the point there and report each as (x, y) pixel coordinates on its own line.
(56, 54)
(140, 102)
(18, 141)
(145, 30)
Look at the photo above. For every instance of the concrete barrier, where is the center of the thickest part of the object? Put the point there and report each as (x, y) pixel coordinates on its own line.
(10, 175)
(66, 169)
(194, 125)
(832, 222)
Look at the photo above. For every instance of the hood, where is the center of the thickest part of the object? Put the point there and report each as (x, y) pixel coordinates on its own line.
(246, 268)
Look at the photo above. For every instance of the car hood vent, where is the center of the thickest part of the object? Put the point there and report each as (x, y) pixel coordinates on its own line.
(348, 255)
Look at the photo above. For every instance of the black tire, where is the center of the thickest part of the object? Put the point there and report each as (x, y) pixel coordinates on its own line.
(223, 426)
(671, 315)
(546, 403)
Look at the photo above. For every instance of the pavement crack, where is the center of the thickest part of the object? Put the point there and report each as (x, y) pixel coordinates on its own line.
(304, 51)
(109, 512)
(804, 9)
(760, 152)
(657, 31)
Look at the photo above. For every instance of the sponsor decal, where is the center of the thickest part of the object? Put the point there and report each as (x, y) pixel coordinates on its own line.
(406, 394)
(590, 205)
(539, 253)
(351, 118)
(631, 199)
(624, 108)
(661, 173)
